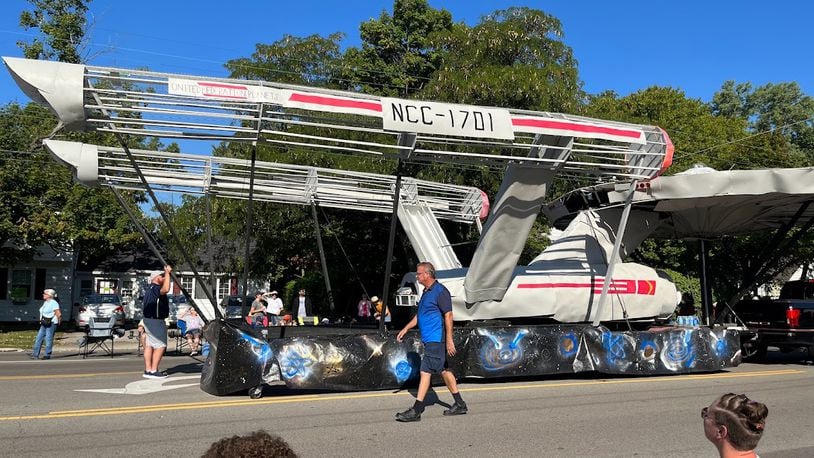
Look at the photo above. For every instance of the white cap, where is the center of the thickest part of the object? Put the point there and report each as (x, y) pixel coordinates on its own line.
(274, 292)
(374, 299)
(155, 273)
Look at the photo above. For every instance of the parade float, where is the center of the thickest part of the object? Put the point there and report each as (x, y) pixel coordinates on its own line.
(576, 307)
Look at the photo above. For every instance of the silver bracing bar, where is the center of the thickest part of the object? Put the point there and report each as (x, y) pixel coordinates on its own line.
(295, 117)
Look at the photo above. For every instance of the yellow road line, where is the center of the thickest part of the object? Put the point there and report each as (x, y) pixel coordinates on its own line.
(331, 397)
(60, 376)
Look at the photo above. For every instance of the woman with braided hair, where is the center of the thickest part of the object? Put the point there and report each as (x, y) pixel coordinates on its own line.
(735, 424)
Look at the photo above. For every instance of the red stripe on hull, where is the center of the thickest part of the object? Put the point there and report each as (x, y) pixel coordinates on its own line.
(332, 102)
(559, 125)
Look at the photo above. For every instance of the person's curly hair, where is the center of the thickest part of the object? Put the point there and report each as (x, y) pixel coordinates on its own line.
(254, 445)
(744, 418)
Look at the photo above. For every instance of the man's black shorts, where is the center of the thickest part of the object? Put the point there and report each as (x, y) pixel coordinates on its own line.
(435, 358)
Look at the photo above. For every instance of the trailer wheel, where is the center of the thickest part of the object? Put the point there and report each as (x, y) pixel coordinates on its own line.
(256, 392)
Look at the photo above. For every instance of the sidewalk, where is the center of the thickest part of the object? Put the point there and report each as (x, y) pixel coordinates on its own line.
(69, 342)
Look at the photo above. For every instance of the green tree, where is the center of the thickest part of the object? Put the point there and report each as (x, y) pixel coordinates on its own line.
(513, 58)
(43, 206)
(62, 24)
(772, 109)
(698, 134)
(396, 57)
(311, 60)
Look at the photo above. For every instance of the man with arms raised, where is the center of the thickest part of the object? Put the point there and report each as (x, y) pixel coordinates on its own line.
(156, 310)
(434, 320)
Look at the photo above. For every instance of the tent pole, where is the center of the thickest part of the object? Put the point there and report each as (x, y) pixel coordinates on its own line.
(249, 214)
(408, 141)
(390, 243)
(323, 263)
(706, 297)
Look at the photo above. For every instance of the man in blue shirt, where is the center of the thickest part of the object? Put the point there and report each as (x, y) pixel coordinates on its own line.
(156, 309)
(434, 320)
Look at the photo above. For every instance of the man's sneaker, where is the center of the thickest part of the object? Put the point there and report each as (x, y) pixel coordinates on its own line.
(408, 415)
(34, 356)
(456, 409)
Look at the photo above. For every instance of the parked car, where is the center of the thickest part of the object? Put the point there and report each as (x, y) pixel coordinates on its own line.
(232, 308)
(177, 303)
(101, 307)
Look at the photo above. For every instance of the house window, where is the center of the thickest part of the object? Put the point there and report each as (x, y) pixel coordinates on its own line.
(107, 286)
(188, 283)
(39, 281)
(224, 287)
(20, 286)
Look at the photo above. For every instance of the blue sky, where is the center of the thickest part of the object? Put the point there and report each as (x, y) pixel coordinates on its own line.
(620, 45)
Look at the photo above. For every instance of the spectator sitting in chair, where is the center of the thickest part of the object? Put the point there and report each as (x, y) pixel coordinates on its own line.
(193, 331)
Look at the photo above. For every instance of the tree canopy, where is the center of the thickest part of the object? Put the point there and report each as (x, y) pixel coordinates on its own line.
(62, 25)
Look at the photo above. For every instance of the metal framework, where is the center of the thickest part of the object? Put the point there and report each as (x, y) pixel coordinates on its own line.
(274, 182)
(217, 109)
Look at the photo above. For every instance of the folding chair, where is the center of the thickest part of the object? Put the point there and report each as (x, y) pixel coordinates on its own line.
(97, 337)
(180, 337)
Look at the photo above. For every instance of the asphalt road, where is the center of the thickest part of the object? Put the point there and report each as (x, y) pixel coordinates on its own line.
(102, 407)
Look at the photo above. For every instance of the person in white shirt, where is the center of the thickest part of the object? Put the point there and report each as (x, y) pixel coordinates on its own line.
(275, 307)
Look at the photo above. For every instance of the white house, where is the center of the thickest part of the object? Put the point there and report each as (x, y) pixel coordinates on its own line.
(21, 285)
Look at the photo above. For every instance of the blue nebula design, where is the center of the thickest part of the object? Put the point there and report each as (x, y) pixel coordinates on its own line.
(402, 371)
(679, 351)
(614, 345)
(296, 362)
(260, 348)
(499, 354)
(721, 347)
(402, 367)
(568, 345)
